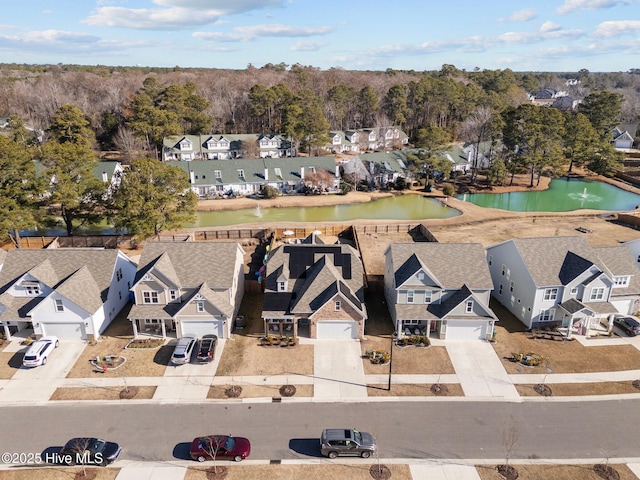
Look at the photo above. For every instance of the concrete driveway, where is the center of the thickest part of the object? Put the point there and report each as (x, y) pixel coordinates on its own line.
(39, 383)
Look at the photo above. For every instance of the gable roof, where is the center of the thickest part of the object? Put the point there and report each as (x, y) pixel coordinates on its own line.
(191, 263)
(451, 264)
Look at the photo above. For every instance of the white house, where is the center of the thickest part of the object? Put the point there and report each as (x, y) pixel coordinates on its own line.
(70, 293)
(187, 288)
(563, 281)
(439, 289)
(622, 139)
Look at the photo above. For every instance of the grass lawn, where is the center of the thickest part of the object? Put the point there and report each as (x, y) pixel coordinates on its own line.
(10, 363)
(560, 357)
(555, 472)
(141, 362)
(280, 472)
(102, 393)
(577, 389)
(59, 473)
(245, 356)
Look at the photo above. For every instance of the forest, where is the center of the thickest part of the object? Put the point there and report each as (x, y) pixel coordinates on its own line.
(64, 118)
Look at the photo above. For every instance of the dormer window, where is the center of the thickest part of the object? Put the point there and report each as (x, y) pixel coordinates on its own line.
(468, 307)
(312, 169)
(241, 173)
(420, 275)
(59, 305)
(185, 145)
(338, 306)
(200, 306)
(278, 172)
(173, 295)
(32, 289)
(282, 286)
(217, 174)
(622, 281)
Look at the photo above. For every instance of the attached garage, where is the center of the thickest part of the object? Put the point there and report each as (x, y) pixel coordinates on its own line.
(338, 329)
(65, 330)
(466, 330)
(623, 306)
(202, 328)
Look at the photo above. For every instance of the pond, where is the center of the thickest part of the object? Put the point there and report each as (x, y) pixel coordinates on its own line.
(563, 195)
(398, 207)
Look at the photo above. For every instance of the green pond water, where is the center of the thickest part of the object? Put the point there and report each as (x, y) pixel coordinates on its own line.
(399, 207)
(563, 195)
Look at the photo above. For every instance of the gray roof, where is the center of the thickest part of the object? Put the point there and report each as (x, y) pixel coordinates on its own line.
(190, 264)
(289, 169)
(451, 264)
(81, 275)
(314, 273)
(558, 260)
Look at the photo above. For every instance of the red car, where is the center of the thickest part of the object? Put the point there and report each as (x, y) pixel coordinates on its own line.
(219, 447)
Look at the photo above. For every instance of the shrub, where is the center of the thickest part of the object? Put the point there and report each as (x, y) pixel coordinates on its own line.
(449, 190)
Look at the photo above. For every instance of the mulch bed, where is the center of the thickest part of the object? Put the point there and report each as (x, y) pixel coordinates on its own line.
(287, 390)
(439, 389)
(542, 389)
(380, 472)
(509, 472)
(217, 473)
(606, 472)
(233, 391)
(129, 393)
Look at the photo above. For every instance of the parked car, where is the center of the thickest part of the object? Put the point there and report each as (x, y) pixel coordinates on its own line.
(207, 349)
(629, 325)
(89, 451)
(220, 447)
(346, 441)
(39, 351)
(183, 350)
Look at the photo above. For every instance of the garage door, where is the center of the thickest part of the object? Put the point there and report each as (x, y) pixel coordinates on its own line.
(65, 330)
(461, 330)
(337, 329)
(623, 306)
(201, 328)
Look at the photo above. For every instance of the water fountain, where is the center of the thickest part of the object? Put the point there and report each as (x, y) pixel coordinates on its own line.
(258, 211)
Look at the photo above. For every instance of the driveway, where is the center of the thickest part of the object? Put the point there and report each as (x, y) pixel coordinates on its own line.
(39, 383)
(338, 373)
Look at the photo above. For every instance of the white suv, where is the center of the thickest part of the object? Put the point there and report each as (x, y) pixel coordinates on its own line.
(184, 349)
(39, 351)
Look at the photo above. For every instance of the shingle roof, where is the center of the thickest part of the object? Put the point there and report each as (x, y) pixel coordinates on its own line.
(451, 264)
(192, 262)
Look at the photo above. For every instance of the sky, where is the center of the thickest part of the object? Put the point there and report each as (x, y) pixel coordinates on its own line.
(523, 35)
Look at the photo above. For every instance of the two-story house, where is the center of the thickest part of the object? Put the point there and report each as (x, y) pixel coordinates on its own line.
(224, 147)
(70, 293)
(184, 288)
(439, 289)
(316, 290)
(552, 281)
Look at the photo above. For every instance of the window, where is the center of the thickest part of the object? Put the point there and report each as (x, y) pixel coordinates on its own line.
(490, 259)
(500, 289)
(241, 173)
(32, 290)
(574, 291)
(338, 306)
(420, 275)
(200, 306)
(151, 321)
(427, 296)
(119, 295)
(410, 295)
(512, 284)
(621, 281)
(149, 297)
(217, 174)
(119, 274)
(312, 169)
(504, 270)
(468, 307)
(278, 172)
(550, 294)
(282, 286)
(597, 293)
(546, 315)
(59, 305)
(173, 294)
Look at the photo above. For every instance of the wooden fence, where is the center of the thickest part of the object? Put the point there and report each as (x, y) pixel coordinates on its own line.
(76, 241)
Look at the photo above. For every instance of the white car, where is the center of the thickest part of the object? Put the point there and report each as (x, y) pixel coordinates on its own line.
(39, 351)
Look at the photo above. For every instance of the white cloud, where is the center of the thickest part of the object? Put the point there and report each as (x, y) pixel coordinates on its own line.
(304, 46)
(174, 14)
(251, 32)
(523, 15)
(617, 28)
(550, 26)
(572, 5)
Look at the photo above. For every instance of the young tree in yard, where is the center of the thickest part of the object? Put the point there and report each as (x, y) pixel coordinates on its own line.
(19, 189)
(74, 194)
(152, 197)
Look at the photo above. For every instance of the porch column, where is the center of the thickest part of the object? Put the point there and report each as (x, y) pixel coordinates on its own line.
(428, 332)
(134, 323)
(7, 333)
(164, 329)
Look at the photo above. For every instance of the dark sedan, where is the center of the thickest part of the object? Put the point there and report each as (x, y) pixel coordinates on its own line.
(89, 451)
(207, 349)
(220, 447)
(629, 325)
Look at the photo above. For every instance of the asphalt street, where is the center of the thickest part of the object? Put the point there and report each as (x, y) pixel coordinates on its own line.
(411, 430)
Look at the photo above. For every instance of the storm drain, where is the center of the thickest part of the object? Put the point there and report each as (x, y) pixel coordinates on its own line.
(276, 399)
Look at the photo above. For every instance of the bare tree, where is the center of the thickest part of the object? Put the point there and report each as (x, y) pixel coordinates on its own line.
(128, 143)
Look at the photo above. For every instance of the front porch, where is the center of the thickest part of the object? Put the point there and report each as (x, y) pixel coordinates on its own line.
(408, 328)
(153, 327)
